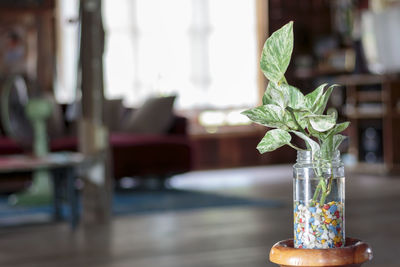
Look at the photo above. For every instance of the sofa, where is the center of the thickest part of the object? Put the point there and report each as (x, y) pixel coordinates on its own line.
(145, 153)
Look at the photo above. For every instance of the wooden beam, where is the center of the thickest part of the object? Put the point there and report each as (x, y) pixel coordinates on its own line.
(93, 135)
(262, 34)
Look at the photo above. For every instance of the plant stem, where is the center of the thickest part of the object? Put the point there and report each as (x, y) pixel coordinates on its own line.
(321, 185)
(326, 190)
(295, 120)
(295, 147)
(316, 193)
(323, 197)
(297, 124)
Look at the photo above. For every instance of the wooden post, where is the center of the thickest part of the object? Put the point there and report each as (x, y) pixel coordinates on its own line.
(93, 136)
(262, 15)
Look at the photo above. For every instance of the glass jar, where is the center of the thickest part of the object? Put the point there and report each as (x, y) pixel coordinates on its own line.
(319, 196)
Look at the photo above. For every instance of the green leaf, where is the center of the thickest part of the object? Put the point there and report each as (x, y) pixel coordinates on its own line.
(332, 112)
(322, 123)
(274, 95)
(323, 100)
(340, 127)
(274, 139)
(327, 148)
(289, 121)
(313, 97)
(331, 144)
(268, 115)
(337, 140)
(300, 116)
(314, 145)
(284, 95)
(312, 131)
(266, 100)
(296, 98)
(316, 101)
(277, 52)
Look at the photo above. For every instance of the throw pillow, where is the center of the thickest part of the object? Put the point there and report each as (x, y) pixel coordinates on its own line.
(113, 110)
(153, 117)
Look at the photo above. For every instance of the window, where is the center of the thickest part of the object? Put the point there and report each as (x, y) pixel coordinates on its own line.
(67, 30)
(202, 50)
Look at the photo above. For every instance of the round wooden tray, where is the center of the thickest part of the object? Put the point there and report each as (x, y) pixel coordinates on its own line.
(354, 253)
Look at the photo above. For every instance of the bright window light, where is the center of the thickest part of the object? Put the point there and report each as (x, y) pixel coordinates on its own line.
(204, 51)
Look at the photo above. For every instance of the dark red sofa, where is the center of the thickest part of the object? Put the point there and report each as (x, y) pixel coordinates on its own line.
(133, 155)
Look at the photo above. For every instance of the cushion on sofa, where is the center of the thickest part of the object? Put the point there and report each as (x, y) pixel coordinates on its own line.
(113, 110)
(55, 123)
(153, 117)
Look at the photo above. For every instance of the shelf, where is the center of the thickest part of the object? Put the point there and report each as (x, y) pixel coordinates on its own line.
(372, 112)
(373, 99)
(359, 79)
(369, 96)
(365, 116)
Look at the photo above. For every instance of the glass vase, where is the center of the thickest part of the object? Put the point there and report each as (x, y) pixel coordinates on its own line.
(319, 198)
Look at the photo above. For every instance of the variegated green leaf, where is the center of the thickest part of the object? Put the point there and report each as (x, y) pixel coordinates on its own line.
(313, 97)
(337, 140)
(320, 103)
(315, 148)
(296, 98)
(268, 115)
(300, 116)
(274, 95)
(340, 127)
(289, 121)
(330, 145)
(312, 131)
(332, 112)
(316, 101)
(284, 95)
(327, 148)
(266, 100)
(277, 52)
(274, 139)
(322, 123)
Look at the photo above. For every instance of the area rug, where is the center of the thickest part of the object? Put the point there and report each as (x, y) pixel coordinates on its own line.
(137, 202)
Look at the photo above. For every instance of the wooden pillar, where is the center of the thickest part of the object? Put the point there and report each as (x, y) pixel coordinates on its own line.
(262, 15)
(45, 49)
(93, 135)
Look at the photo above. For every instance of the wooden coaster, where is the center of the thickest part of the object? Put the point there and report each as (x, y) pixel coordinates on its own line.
(353, 254)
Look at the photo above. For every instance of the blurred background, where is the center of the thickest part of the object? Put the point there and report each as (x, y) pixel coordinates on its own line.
(146, 152)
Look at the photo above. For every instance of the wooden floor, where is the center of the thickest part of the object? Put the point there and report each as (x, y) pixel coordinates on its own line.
(234, 237)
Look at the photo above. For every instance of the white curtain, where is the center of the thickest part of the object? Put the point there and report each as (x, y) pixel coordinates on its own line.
(67, 31)
(204, 51)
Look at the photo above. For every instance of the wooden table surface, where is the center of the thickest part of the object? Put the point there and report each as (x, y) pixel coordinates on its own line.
(27, 162)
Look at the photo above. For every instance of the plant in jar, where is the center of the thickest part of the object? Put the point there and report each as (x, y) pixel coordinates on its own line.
(318, 173)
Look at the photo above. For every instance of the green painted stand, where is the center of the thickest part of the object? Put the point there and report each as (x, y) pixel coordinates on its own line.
(40, 192)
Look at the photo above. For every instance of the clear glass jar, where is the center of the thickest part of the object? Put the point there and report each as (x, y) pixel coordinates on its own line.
(319, 198)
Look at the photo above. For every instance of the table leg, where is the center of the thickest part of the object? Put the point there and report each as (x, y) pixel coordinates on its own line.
(72, 197)
(57, 184)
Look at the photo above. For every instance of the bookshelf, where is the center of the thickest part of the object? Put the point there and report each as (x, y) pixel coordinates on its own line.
(372, 106)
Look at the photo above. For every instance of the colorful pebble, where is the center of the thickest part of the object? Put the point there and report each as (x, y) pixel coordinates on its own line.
(318, 227)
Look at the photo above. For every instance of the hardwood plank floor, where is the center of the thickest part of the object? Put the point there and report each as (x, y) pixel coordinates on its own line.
(235, 236)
